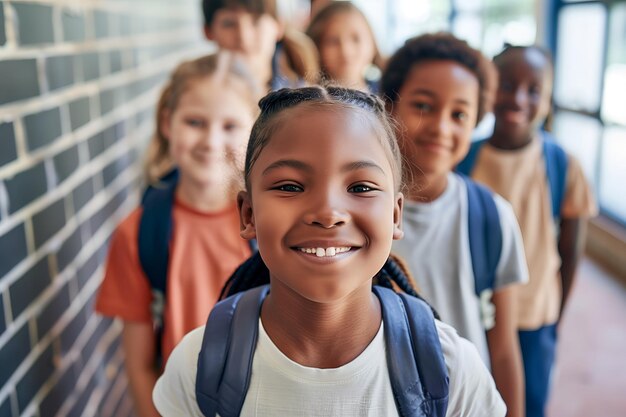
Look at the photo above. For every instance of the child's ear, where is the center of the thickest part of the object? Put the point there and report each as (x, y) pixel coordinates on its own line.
(398, 233)
(164, 124)
(247, 229)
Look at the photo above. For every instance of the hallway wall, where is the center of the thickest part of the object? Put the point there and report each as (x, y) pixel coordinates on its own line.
(78, 84)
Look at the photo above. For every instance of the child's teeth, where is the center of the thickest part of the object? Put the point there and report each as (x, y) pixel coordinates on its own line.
(330, 251)
(320, 252)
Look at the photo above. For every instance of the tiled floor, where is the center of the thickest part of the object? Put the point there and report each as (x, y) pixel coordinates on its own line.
(590, 373)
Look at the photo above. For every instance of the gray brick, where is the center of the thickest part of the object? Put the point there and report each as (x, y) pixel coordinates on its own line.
(8, 151)
(3, 38)
(96, 145)
(108, 100)
(13, 249)
(126, 25)
(111, 171)
(69, 249)
(18, 80)
(35, 377)
(53, 311)
(64, 387)
(73, 26)
(5, 407)
(86, 271)
(66, 163)
(101, 24)
(35, 23)
(79, 112)
(91, 344)
(72, 330)
(60, 71)
(26, 186)
(29, 286)
(42, 128)
(91, 66)
(3, 323)
(115, 58)
(48, 222)
(17, 348)
(78, 408)
(83, 193)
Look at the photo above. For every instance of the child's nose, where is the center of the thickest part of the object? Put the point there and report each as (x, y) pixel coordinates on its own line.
(326, 212)
(442, 125)
(245, 37)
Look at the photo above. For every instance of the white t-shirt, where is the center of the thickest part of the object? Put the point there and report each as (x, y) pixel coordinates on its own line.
(281, 387)
(436, 248)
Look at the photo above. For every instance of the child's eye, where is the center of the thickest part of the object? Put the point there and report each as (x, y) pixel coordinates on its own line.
(193, 122)
(360, 188)
(230, 126)
(424, 107)
(289, 188)
(460, 115)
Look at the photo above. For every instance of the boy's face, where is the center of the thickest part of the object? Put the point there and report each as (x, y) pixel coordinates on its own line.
(241, 31)
(437, 110)
(523, 99)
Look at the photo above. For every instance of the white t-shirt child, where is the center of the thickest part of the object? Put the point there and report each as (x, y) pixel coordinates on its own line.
(436, 248)
(281, 387)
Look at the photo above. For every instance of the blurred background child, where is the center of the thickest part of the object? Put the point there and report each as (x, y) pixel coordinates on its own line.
(551, 200)
(277, 55)
(347, 47)
(204, 117)
(438, 89)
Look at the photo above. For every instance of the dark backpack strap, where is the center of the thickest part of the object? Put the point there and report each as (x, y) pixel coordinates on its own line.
(467, 164)
(485, 234)
(155, 233)
(225, 360)
(556, 172)
(417, 370)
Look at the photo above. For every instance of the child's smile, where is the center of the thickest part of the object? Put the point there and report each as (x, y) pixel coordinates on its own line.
(323, 203)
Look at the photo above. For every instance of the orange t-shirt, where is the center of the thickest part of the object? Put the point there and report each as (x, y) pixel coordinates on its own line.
(204, 251)
(520, 177)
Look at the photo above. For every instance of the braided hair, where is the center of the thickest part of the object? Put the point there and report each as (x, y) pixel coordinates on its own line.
(253, 272)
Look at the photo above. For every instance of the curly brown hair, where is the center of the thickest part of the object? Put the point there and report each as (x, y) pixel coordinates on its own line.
(440, 46)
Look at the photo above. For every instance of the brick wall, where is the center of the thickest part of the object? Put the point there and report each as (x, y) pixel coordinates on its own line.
(78, 84)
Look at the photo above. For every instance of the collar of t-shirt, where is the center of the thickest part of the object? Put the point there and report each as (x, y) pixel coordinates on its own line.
(357, 368)
(423, 212)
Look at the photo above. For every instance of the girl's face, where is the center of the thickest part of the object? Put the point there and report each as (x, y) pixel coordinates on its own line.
(208, 132)
(523, 98)
(322, 204)
(347, 47)
(437, 109)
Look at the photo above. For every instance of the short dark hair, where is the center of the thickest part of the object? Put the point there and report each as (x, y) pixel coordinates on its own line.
(440, 46)
(258, 7)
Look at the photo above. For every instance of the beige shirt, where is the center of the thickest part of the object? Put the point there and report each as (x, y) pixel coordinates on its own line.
(520, 177)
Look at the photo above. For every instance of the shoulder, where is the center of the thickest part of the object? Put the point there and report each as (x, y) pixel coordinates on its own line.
(175, 391)
(128, 229)
(472, 391)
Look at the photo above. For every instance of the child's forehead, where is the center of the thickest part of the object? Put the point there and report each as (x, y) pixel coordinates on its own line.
(523, 57)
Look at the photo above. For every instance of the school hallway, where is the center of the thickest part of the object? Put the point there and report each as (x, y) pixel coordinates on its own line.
(590, 373)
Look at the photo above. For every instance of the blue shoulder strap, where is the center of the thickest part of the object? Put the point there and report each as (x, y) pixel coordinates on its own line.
(155, 230)
(556, 171)
(485, 234)
(467, 164)
(225, 359)
(416, 366)
(418, 373)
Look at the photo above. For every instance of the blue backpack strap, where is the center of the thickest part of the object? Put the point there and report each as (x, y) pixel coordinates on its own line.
(155, 232)
(485, 234)
(467, 164)
(556, 171)
(417, 370)
(225, 359)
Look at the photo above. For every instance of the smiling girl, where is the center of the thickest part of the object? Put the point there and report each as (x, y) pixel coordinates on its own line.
(322, 200)
(204, 117)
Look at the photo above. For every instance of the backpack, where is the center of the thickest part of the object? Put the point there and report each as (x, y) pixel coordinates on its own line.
(556, 168)
(155, 233)
(418, 374)
(485, 235)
